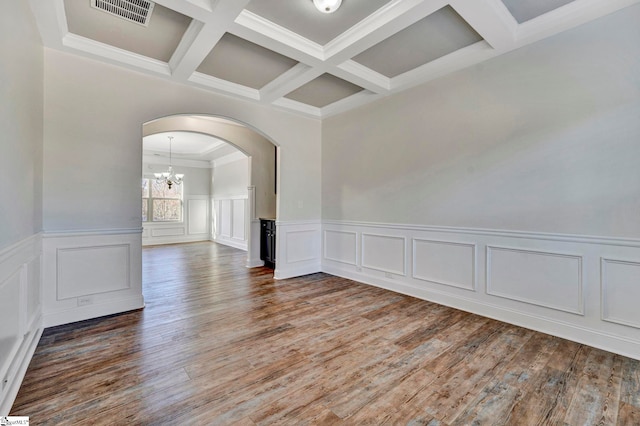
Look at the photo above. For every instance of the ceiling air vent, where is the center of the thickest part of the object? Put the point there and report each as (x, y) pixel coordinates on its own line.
(138, 11)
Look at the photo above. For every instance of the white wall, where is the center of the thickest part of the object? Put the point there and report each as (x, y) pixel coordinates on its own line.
(21, 91)
(482, 190)
(230, 179)
(542, 139)
(93, 123)
(21, 130)
(196, 215)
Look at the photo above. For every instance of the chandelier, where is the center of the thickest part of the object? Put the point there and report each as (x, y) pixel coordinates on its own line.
(327, 6)
(169, 177)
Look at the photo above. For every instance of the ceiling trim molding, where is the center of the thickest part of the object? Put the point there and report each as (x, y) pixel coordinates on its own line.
(211, 19)
(455, 61)
(276, 32)
(288, 81)
(566, 17)
(229, 158)
(366, 77)
(356, 100)
(291, 105)
(380, 25)
(150, 158)
(224, 86)
(115, 55)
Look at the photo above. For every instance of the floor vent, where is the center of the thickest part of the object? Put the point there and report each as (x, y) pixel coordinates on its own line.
(138, 11)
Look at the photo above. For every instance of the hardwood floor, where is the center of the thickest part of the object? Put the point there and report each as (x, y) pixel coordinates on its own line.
(221, 344)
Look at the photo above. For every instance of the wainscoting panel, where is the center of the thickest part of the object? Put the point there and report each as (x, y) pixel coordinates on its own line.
(20, 314)
(91, 274)
(446, 263)
(225, 216)
(621, 291)
(194, 226)
(341, 246)
(298, 248)
(581, 288)
(238, 221)
(552, 280)
(90, 270)
(232, 222)
(384, 253)
(167, 231)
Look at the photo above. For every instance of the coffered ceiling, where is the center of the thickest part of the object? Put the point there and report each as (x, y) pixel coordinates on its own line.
(286, 54)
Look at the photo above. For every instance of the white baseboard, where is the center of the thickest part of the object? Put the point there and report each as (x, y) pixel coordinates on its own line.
(23, 360)
(93, 311)
(156, 241)
(239, 244)
(254, 263)
(292, 272)
(580, 288)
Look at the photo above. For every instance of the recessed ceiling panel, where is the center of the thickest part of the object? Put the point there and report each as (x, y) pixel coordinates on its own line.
(301, 16)
(437, 35)
(524, 10)
(186, 145)
(242, 62)
(324, 91)
(158, 40)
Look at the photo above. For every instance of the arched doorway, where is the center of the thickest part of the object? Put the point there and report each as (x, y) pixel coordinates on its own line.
(262, 154)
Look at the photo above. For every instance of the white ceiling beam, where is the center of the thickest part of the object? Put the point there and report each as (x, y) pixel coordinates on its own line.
(363, 76)
(288, 81)
(263, 32)
(381, 25)
(196, 47)
(491, 19)
(223, 86)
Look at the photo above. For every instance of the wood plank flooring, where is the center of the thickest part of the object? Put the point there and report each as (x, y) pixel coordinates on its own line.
(221, 344)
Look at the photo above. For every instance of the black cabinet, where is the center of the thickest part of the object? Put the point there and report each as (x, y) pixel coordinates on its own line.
(268, 242)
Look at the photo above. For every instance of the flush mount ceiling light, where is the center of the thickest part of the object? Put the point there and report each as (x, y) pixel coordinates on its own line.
(327, 6)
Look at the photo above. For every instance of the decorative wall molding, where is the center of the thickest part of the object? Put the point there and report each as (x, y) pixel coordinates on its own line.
(343, 244)
(536, 277)
(195, 225)
(586, 239)
(620, 291)
(89, 275)
(445, 262)
(298, 248)
(384, 253)
(580, 288)
(21, 308)
(231, 221)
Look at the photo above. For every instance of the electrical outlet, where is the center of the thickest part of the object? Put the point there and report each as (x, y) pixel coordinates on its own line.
(388, 275)
(85, 300)
(359, 269)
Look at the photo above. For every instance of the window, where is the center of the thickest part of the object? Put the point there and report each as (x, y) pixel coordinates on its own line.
(159, 203)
